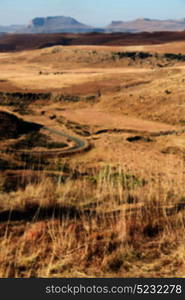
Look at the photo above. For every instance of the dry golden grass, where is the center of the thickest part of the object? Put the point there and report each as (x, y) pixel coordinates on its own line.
(172, 47)
(123, 230)
(143, 91)
(117, 210)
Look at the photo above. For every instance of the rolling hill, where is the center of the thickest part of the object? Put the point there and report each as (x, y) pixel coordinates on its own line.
(19, 42)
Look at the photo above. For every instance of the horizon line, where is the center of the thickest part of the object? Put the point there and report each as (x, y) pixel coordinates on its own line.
(118, 20)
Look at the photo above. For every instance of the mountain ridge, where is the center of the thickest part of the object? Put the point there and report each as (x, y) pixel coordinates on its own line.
(146, 24)
(67, 24)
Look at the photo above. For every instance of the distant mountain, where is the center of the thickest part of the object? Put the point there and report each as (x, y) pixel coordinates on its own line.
(148, 25)
(11, 28)
(61, 24)
(57, 24)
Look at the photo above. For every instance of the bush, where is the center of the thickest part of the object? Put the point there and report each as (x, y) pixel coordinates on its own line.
(132, 55)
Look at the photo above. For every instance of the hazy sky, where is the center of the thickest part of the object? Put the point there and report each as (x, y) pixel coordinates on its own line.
(92, 12)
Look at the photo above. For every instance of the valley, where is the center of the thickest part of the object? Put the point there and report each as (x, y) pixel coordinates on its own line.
(92, 151)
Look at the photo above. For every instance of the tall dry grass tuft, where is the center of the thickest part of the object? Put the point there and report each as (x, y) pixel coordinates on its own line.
(109, 223)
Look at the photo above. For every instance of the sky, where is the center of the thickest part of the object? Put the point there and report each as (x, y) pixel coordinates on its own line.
(91, 12)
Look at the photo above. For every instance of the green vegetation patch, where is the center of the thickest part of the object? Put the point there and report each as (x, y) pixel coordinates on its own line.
(172, 56)
(128, 181)
(145, 55)
(131, 55)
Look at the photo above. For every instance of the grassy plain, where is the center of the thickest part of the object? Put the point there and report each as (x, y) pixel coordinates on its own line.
(116, 207)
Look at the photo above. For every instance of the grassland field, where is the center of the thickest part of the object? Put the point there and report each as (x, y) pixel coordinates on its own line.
(92, 152)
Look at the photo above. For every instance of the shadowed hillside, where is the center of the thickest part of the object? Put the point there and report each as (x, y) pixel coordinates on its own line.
(12, 127)
(18, 42)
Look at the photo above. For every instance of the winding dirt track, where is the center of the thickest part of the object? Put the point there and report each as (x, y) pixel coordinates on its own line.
(36, 213)
(80, 146)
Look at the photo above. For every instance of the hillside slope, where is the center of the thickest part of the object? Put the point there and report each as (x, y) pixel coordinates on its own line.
(12, 127)
(19, 42)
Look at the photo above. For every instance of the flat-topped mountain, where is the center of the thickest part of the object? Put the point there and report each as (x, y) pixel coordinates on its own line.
(148, 25)
(56, 25)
